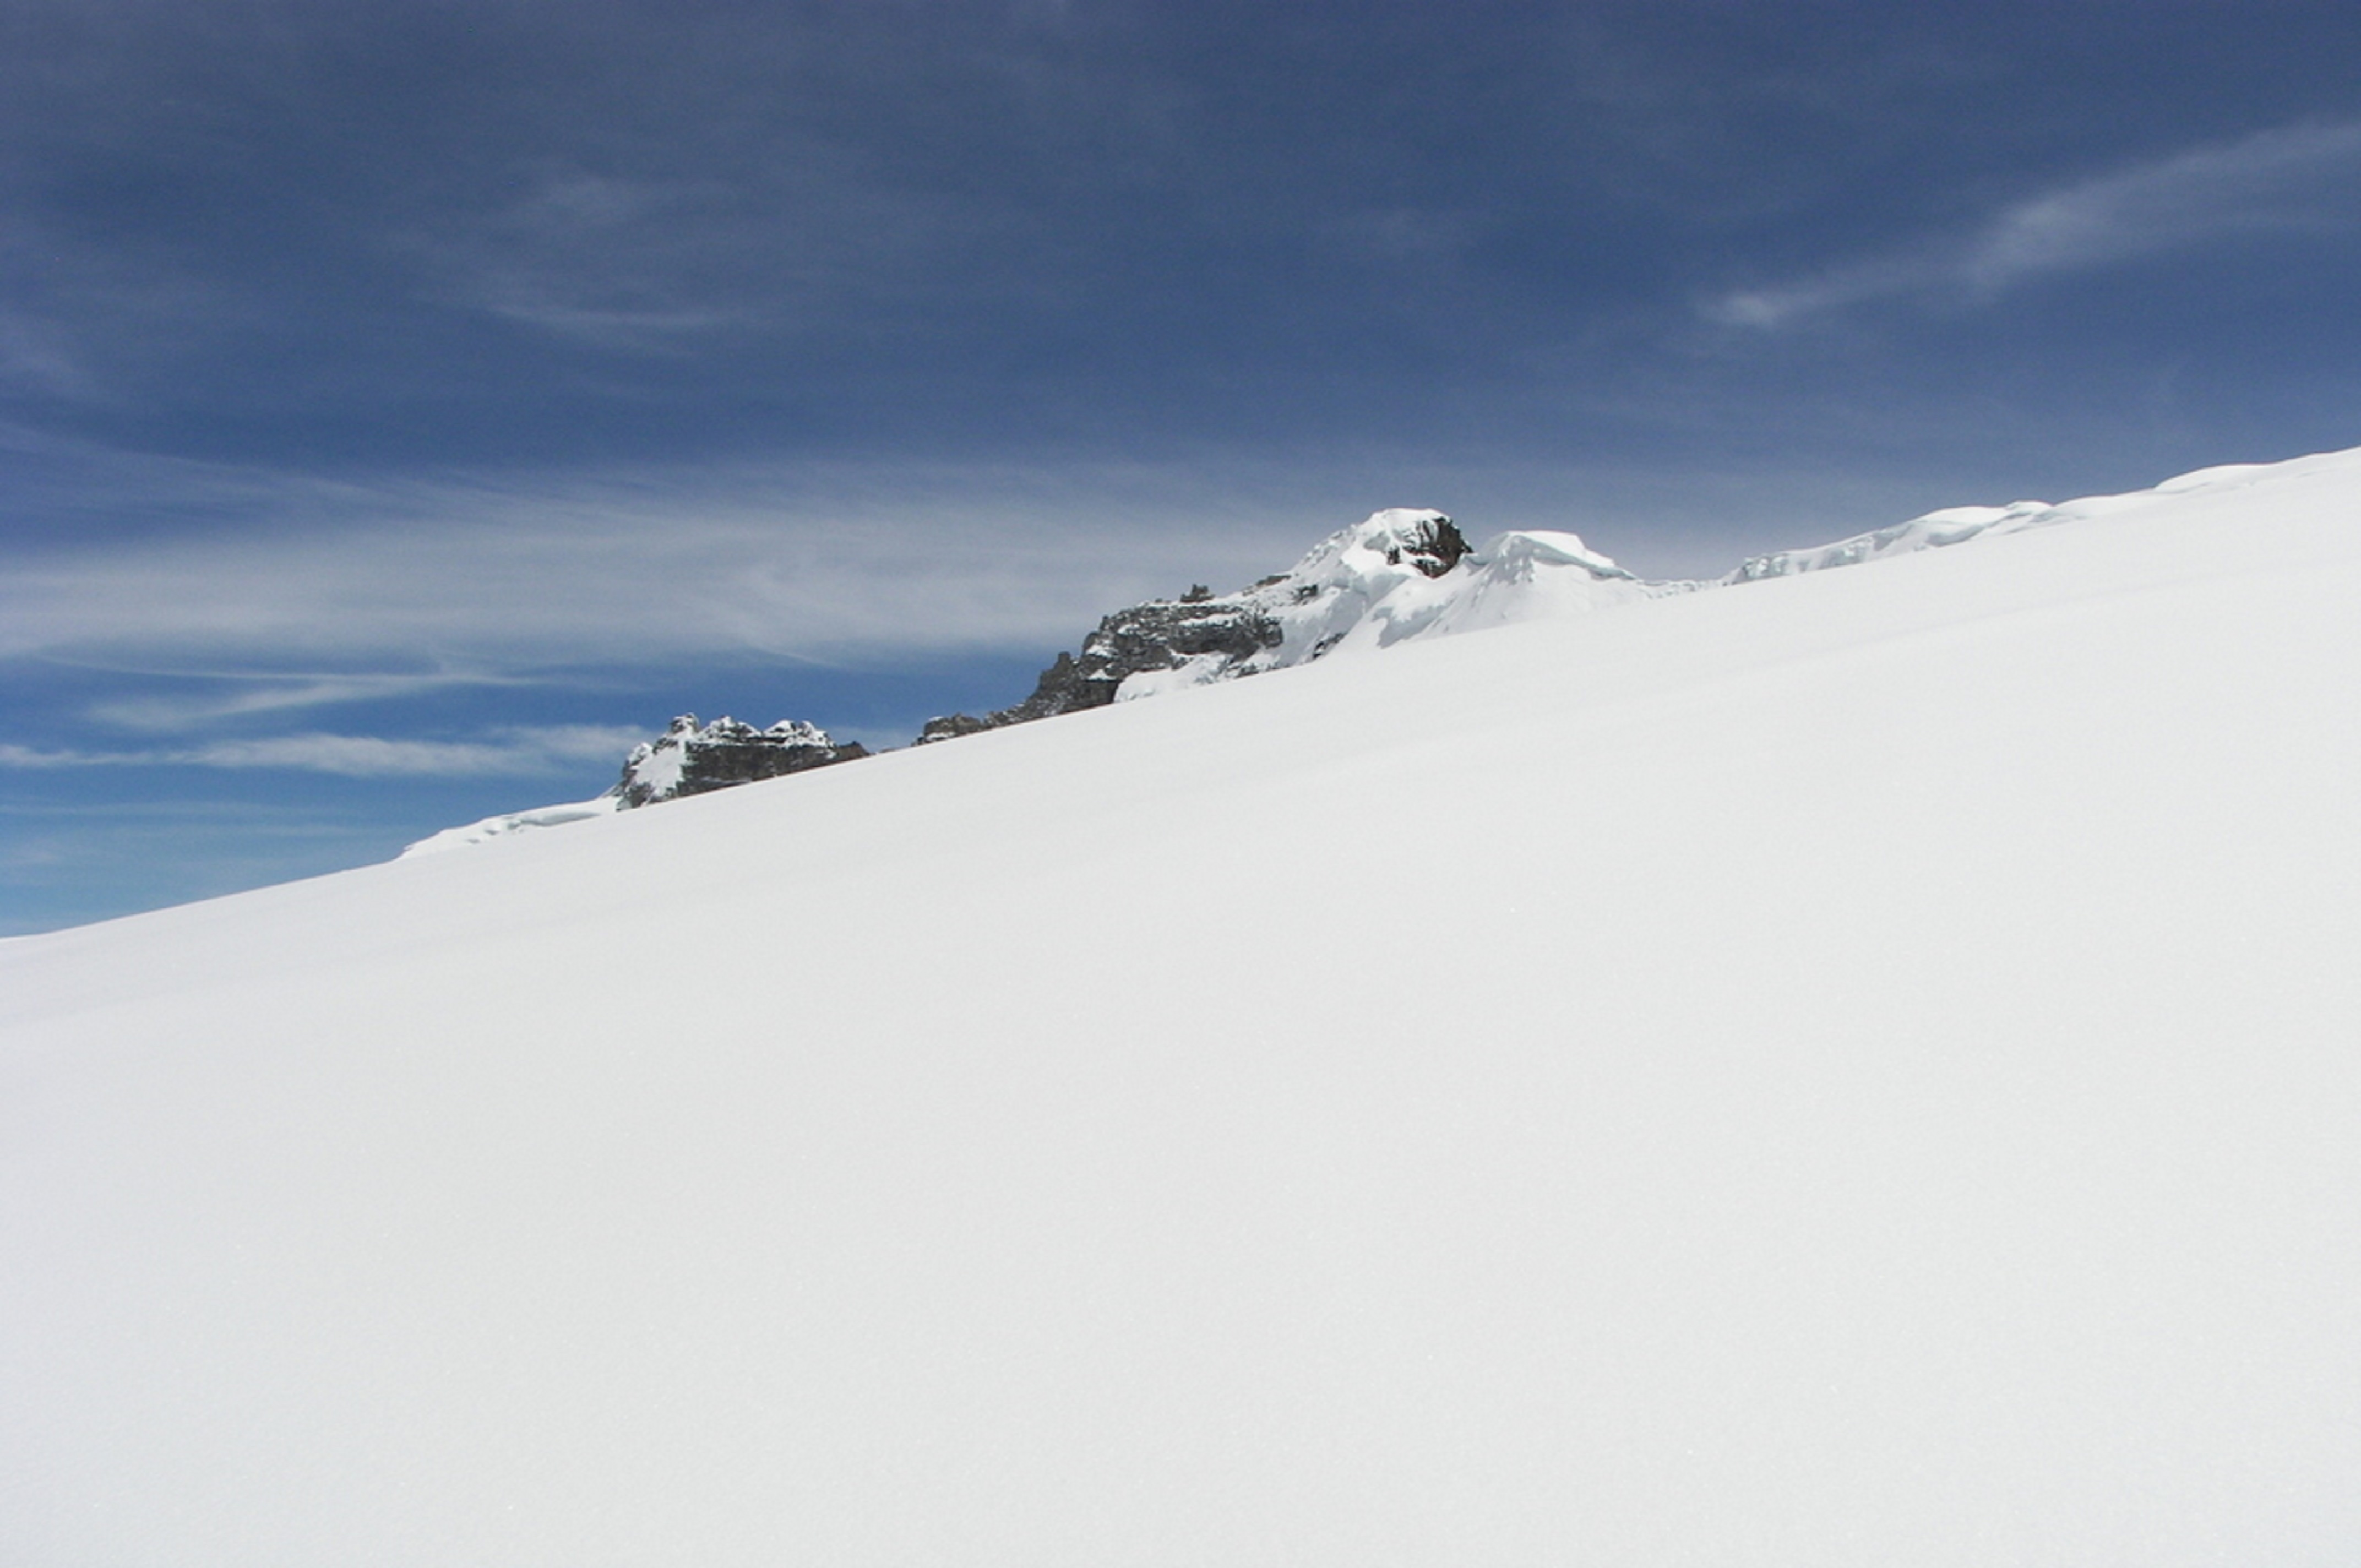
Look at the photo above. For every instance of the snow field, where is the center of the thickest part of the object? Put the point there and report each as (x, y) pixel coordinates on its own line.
(1855, 1068)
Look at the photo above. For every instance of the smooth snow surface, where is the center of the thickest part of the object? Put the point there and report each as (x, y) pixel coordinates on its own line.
(1957, 525)
(1935, 530)
(1864, 1069)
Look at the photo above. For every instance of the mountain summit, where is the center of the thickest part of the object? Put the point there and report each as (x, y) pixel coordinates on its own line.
(1403, 573)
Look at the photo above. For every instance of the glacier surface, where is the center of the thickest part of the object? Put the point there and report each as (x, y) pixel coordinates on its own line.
(1854, 1071)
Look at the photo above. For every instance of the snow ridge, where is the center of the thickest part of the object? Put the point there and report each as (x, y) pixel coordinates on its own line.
(1934, 530)
(1401, 575)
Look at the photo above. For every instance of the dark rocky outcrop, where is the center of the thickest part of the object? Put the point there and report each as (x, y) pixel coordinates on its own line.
(693, 759)
(1224, 636)
(1434, 547)
(1161, 634)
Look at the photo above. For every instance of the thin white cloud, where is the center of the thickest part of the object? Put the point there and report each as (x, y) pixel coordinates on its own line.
(15, 756)
(2303, 177)
(266, 693)
(35, 357)
(488, 580)
(524, 750)
(604, 260)
(653, 265)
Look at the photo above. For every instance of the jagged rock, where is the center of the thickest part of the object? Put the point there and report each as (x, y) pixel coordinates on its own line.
(1433, 546)
(950, 727)
(690, 758)
(686, 759)
(1163, 634)
(1199, 637)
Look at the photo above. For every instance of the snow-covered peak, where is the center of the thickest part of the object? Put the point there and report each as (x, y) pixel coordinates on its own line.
(1398, 538)
(1407, 572)
(1513, 577)
(1401, 573)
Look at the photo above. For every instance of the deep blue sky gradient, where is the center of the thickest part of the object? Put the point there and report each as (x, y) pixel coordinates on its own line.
(489, 375)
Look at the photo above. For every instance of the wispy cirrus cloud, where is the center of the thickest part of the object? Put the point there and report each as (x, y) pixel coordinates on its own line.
(250, 694)
(657, 264)
(544, 749)
(382, 588)
(2292, 179)
(35, 357)
(611, 261)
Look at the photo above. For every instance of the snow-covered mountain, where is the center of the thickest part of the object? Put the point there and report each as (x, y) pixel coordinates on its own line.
(1403, 574)
(1399, 575)
(1854, 1071)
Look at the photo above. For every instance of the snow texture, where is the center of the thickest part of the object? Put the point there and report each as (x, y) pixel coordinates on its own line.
(492, 827)
(1854, 1071)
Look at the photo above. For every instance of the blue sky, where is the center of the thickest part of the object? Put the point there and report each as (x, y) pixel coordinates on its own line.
(402, 405)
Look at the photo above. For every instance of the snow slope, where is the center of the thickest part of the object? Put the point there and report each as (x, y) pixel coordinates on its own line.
(469, 834)
(1857, 1070)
